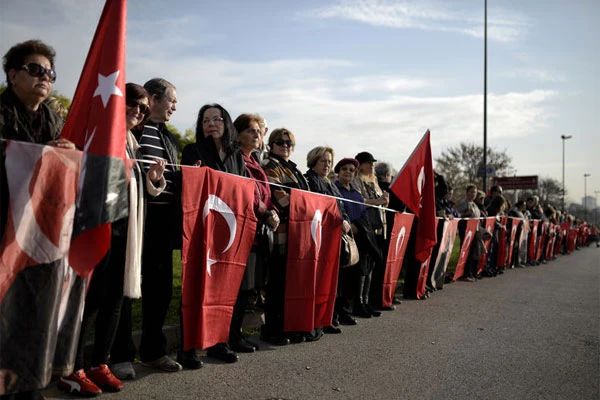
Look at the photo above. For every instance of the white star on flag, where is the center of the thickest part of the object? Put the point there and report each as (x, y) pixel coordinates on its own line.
(107, 86)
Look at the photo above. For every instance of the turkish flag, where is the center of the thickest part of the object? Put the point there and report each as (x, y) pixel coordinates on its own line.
(397, 248)
(541, 246)
(501, 258)
(444, 253)
(421, 288)
(41, 299)
(533, 242)
(470, 230)
(513, 226)
(414, 185)
(96, 124)
(490, 222)
(219, 227)
(313, 259)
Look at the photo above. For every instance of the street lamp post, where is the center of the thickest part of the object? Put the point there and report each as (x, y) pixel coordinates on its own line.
(563, 137)
(596, 192)
(585, 176)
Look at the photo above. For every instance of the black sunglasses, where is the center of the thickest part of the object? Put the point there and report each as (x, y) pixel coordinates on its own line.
(38, 71)
(144, 108)
(281, 142)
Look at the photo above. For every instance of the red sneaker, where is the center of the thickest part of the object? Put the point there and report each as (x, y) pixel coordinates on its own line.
(104, 378)
(78, 383)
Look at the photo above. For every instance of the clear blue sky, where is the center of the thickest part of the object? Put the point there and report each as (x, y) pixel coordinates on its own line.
(362, 75)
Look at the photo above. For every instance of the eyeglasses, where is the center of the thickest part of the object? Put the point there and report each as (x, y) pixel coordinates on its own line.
(213, 120)
(144, 108)
(282, 142)
(38, 71)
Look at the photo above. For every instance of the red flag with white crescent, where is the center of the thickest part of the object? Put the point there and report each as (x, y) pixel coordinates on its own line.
(533, 239)
(219, 227)
(393, 266)
(512, 226)
(490, 222)
(96, 124)
(470, 230)
(41, 299)
(313, 258)
(414, 185)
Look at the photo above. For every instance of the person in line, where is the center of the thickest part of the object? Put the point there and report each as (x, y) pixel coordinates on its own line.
(366, 183)
(283, 172)
(319, 161)
(162, 235)
(364, 235)
(216, 147)
(254, 282)
(25, 117)
(121, 264)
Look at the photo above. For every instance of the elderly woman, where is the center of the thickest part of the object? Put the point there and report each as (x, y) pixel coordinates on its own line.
(216, 147)
(366, 183)
(319, 161)
(354, 286)
(119, 270)
(30, 74)
(250, 140)
(282, 172)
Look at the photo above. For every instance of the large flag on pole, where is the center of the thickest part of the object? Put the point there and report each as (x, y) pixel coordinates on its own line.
(414, 185)
(96, 124)
(313, 257)
(219, 227)
(40, 296)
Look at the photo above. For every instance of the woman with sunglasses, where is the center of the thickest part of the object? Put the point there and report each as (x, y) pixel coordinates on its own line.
(29, 69)
(280, 170)
(119, 272)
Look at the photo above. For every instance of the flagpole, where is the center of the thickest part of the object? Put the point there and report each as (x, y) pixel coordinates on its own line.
(485, 100)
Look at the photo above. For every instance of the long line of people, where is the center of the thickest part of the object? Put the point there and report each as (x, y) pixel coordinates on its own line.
(140, 260)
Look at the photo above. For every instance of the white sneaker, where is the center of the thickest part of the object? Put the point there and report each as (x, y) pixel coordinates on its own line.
(123, 371)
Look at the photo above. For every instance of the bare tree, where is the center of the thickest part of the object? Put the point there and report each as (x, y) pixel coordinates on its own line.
(460, 165)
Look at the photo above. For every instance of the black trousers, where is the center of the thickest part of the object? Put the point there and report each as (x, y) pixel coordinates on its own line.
(157, 281)
(103, 302)
(275, 294)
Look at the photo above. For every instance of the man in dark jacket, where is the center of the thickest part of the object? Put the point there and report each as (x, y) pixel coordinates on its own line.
(161, 236)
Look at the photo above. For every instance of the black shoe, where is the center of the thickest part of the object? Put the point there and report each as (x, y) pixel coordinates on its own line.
(275, 340)
(396, 300)
(315, 335)
(189, 359)
(361, 311)
(332, 329)
(346, 319)
(221, 351)
(296, 337)
(372, 312)
(251, 343)
(242, 347)
(390, 308)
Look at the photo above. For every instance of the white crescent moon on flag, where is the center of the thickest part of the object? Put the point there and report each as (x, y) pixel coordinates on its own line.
(314, 227)
(217, 204)
(28, 233)
(421, 181)
(467, 241)
(400, 240)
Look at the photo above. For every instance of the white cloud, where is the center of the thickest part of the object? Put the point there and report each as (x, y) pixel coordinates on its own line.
(535, 74)
(503, 26)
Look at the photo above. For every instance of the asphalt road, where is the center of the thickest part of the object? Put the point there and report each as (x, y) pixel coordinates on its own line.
(530, 333)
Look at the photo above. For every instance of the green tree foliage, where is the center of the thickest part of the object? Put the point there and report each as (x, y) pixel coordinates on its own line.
(460, 165)
(188, 137)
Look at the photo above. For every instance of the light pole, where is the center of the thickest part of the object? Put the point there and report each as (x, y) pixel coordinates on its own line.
(585, 176)
(596, 192)
(563, 137)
